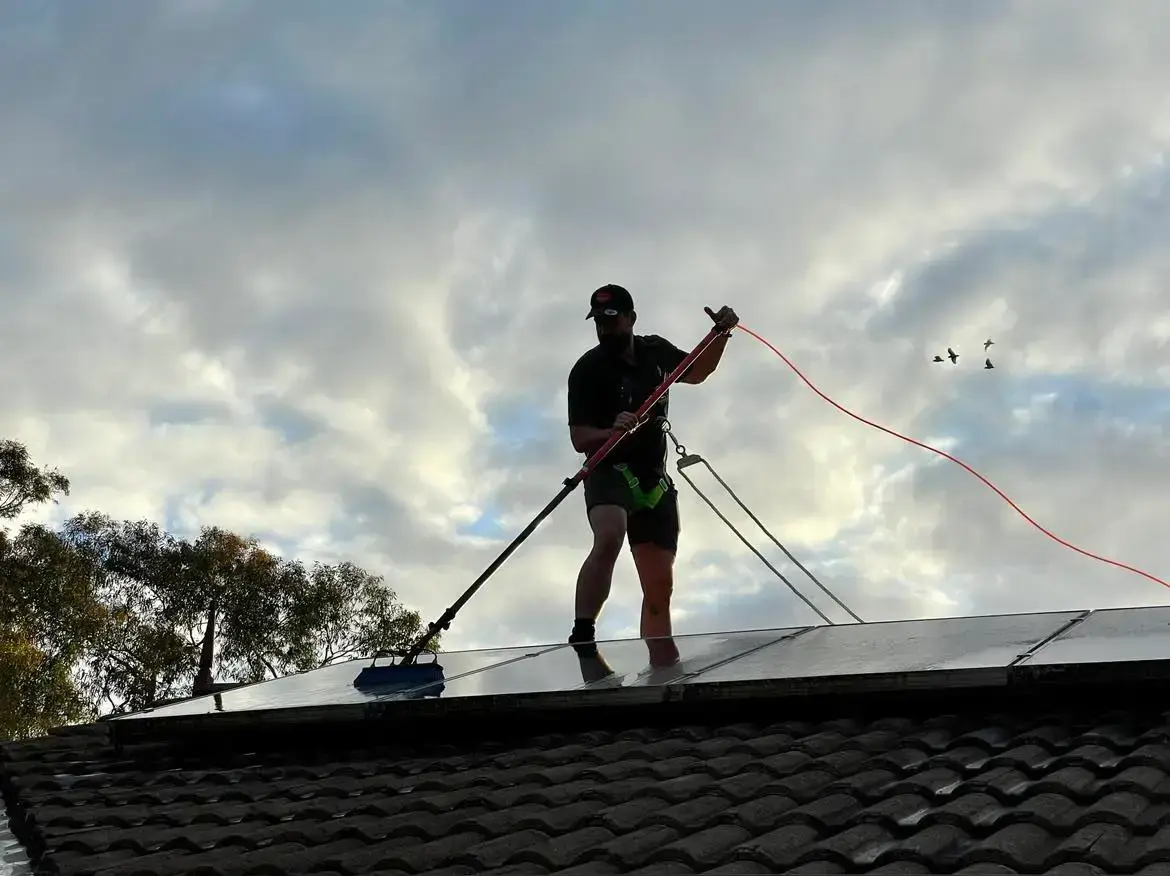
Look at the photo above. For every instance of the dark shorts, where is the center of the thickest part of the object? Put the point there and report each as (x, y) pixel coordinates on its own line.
(658, 525)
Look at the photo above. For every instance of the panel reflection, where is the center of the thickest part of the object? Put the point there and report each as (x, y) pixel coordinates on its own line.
(1111, 635)
(329, 686)
(898, 646)
(623, 662)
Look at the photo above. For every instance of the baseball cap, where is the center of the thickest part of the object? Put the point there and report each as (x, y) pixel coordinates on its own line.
(610, 300)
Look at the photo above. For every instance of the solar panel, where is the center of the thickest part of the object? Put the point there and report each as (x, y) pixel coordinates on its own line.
(327, 686)
(1109, 636)
(895, 646)
(561, 669)
(790, 653)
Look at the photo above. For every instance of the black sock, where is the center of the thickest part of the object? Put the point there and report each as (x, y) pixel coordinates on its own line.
(582, 637)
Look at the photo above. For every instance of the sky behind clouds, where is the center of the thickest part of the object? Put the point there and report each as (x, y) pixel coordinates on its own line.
(319, 274)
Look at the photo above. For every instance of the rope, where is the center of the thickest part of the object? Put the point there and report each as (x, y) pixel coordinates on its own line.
(688, 459)
(957, 462)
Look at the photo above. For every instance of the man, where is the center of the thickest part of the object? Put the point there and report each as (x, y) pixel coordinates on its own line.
(630, 495)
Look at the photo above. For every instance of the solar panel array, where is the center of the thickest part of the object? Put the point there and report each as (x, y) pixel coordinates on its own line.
(984, 642)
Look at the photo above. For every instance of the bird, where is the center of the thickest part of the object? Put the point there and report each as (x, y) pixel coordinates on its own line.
(938, 358)
(987, 364)
(987, 344)
(952, 355)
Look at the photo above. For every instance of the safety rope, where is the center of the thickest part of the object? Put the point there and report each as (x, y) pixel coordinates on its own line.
(688, 459)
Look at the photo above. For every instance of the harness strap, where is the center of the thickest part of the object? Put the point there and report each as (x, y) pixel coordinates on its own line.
(643, 498)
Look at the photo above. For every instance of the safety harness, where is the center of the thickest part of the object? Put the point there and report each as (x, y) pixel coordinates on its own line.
(643, 499)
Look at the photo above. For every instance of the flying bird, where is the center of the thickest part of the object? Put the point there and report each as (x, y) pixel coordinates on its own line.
(987, 344)
(938, 358)
(987, 364)
(952, 355)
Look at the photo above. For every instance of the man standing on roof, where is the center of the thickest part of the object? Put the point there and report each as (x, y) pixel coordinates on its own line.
(630, 495)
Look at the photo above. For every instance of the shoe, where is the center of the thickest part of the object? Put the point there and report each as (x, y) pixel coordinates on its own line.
(663, 653)
(594, 668)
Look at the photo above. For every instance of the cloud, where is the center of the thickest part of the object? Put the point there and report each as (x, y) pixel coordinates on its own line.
(321, 277)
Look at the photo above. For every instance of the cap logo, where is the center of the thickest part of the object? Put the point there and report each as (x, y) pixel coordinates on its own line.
(603, 297)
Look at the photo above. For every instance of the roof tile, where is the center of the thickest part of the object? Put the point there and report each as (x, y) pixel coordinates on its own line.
(830, 812)
(856, 846)
(780, 848)
(703, 849)
(1021, 845)
(691, 815)
(563, 850)
(1030, 758)
(671, 868)
(512, 870)
(633, 814)
(1075, 782)
(745, 787)
(557, 853)
(903, 868)
(1101, 845)
(634, 849)
(753, 868)
(813, 868)
(1069, 793)
(870, 785)
(682, 788)
(896, 812)
(494, 852)
(761, 814)
(1150, 781)
(415, 857)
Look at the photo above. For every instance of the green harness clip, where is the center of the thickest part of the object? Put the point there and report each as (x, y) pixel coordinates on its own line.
(643, 499)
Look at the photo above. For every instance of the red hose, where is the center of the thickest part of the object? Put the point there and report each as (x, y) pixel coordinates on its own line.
(958, 462)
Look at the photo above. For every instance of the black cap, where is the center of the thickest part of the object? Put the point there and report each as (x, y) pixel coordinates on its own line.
(610, 300)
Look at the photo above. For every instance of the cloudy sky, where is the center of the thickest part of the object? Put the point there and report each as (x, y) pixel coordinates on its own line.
(318, 272)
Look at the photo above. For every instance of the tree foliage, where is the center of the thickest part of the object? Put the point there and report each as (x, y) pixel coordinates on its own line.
(22, 483)
(49, 617)
(103, 615)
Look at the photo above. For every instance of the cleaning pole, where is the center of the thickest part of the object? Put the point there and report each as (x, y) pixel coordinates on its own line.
(407, 666)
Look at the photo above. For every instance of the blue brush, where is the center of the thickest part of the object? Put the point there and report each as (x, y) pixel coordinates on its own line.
(402, 676)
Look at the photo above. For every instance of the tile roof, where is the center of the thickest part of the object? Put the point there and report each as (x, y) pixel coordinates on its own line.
(964, 784)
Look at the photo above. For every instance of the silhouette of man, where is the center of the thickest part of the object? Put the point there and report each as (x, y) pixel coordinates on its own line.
(630, 495)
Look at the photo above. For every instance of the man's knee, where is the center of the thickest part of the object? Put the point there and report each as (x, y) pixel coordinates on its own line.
(609, 530)
(655, 565)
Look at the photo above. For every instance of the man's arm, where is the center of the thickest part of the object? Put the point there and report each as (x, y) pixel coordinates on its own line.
(588, 439)
(706, 362)
(701, 367)
(584, 433)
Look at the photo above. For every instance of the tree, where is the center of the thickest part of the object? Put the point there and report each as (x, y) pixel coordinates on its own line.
(50, 615)
(22, 483)
(275, 617)
(342, 611)
(115, 615)
(145, 651)
(184, 613)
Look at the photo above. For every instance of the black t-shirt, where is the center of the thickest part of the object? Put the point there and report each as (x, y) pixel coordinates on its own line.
(602, 385)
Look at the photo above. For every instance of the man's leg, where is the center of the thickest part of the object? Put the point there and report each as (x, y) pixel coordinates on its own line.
(604, 500)
(654, 543)
(596, 576)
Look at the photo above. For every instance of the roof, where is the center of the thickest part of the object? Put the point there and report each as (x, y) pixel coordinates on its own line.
(1018, 770)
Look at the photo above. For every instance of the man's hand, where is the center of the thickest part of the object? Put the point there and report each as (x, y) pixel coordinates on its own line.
(625, 421)
(726, 318)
